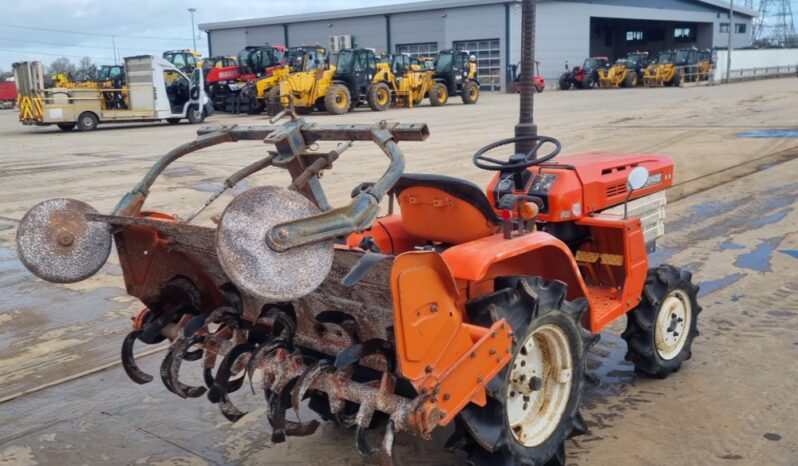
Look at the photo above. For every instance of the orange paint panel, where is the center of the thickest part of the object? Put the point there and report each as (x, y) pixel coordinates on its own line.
(435, 215)
(390, 235)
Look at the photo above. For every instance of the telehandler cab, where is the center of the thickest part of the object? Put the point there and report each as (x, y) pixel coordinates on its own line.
(627, 72)
(664, 71)
(463, 306)
(455, 75)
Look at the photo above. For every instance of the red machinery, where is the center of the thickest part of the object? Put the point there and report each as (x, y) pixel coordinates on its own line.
(225, 83)
(8, 94)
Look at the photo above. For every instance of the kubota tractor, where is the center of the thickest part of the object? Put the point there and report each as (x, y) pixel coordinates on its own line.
(585, 76)
(461, 305)
(664, 71)
(627, 72)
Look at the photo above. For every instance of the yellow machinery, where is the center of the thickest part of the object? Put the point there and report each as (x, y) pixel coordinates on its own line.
(407, 82)
(663, 72)
(705, 65)
(626, 72)
(303, 89)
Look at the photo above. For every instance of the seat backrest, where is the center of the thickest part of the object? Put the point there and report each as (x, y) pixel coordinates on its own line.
(444, 209)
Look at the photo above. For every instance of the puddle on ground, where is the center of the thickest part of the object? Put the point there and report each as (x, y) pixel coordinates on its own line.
(768, 219)
(728, 244)
(179, 171)
(790, 252)
(207, 186)
(769, 133)
(711, 286)
(759, 258)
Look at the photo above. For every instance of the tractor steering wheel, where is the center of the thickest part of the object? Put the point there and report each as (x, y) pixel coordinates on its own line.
(517, 162)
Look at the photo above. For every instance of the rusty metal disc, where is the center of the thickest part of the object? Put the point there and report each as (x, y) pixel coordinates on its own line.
(56, 242)
(252, 264)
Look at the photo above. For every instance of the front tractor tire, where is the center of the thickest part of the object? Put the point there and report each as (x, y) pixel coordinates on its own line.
(337, 100)
(470, 94)
(660, 330)
(533, 403)
(564, 83)
(379, 97)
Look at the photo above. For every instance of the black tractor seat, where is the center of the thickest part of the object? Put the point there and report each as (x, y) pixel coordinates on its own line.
(457, 187)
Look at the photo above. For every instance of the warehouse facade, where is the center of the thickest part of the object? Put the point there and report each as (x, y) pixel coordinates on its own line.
(568, 31)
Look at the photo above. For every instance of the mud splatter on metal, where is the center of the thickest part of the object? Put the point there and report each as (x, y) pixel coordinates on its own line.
(248, 260)
(57, 243)
(759, 258)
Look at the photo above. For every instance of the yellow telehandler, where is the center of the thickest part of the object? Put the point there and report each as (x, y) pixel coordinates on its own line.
(626, 72)
(664, 71)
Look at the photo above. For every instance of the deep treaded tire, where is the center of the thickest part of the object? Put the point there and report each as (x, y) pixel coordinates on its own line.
(548, 367)
(563, 83)
(470, 94)
(337, 101)
(379, 97)
(438, 95)
(660, 330)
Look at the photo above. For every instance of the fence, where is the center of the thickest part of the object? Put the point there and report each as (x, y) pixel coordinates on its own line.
(757, 64)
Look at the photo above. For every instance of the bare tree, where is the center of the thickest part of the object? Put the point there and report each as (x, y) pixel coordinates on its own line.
(86, 69)
(61, 65)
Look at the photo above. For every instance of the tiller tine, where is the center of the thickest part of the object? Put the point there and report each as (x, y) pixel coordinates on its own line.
(222, 385)
(170, 367)
(382, 456)
(129, 361)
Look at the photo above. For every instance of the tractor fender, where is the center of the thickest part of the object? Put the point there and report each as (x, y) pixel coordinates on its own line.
(474, 80)
(539, 254)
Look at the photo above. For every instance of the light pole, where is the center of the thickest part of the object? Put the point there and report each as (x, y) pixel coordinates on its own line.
(731, 31)
(193, 34)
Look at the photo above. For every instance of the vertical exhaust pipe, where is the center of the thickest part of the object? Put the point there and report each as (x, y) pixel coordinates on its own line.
(526, 122)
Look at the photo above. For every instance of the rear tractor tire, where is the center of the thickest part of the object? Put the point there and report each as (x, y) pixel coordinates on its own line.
(533, 403)
(438, 95)
(337, 101)
(379, 97)
(470, 93)
(660, 330)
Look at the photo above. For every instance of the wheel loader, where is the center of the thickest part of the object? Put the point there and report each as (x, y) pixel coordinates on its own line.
(663, 71)
(459, 306)
(626, 72)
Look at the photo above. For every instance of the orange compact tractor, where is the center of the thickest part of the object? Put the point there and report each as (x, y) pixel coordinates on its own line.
(460, 306)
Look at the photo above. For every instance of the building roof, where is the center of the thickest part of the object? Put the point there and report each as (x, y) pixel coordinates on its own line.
(400, 8)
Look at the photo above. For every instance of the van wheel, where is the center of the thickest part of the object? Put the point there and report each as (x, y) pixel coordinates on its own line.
(195, 116)
(438, 95)
(173, 121)
(379, 97)
(66, 126)
(470, 93)
(337, 101)
(87, 121)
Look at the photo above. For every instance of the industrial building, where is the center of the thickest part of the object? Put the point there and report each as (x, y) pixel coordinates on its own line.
(568, 31)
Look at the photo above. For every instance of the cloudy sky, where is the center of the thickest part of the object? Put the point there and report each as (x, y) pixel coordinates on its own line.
(48, 29)
(138, 27)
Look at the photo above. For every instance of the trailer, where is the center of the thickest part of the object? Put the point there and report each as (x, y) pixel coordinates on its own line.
(153, 90)
(8, 95)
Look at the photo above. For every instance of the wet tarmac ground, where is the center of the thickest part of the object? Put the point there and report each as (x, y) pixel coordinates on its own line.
(734, 403)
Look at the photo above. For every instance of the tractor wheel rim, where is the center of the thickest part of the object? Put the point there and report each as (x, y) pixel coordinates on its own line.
(673, 321)
(340, 99)
(442, 95)
(87, 121)
(539, 385)
(474, 92)
(382, 96)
